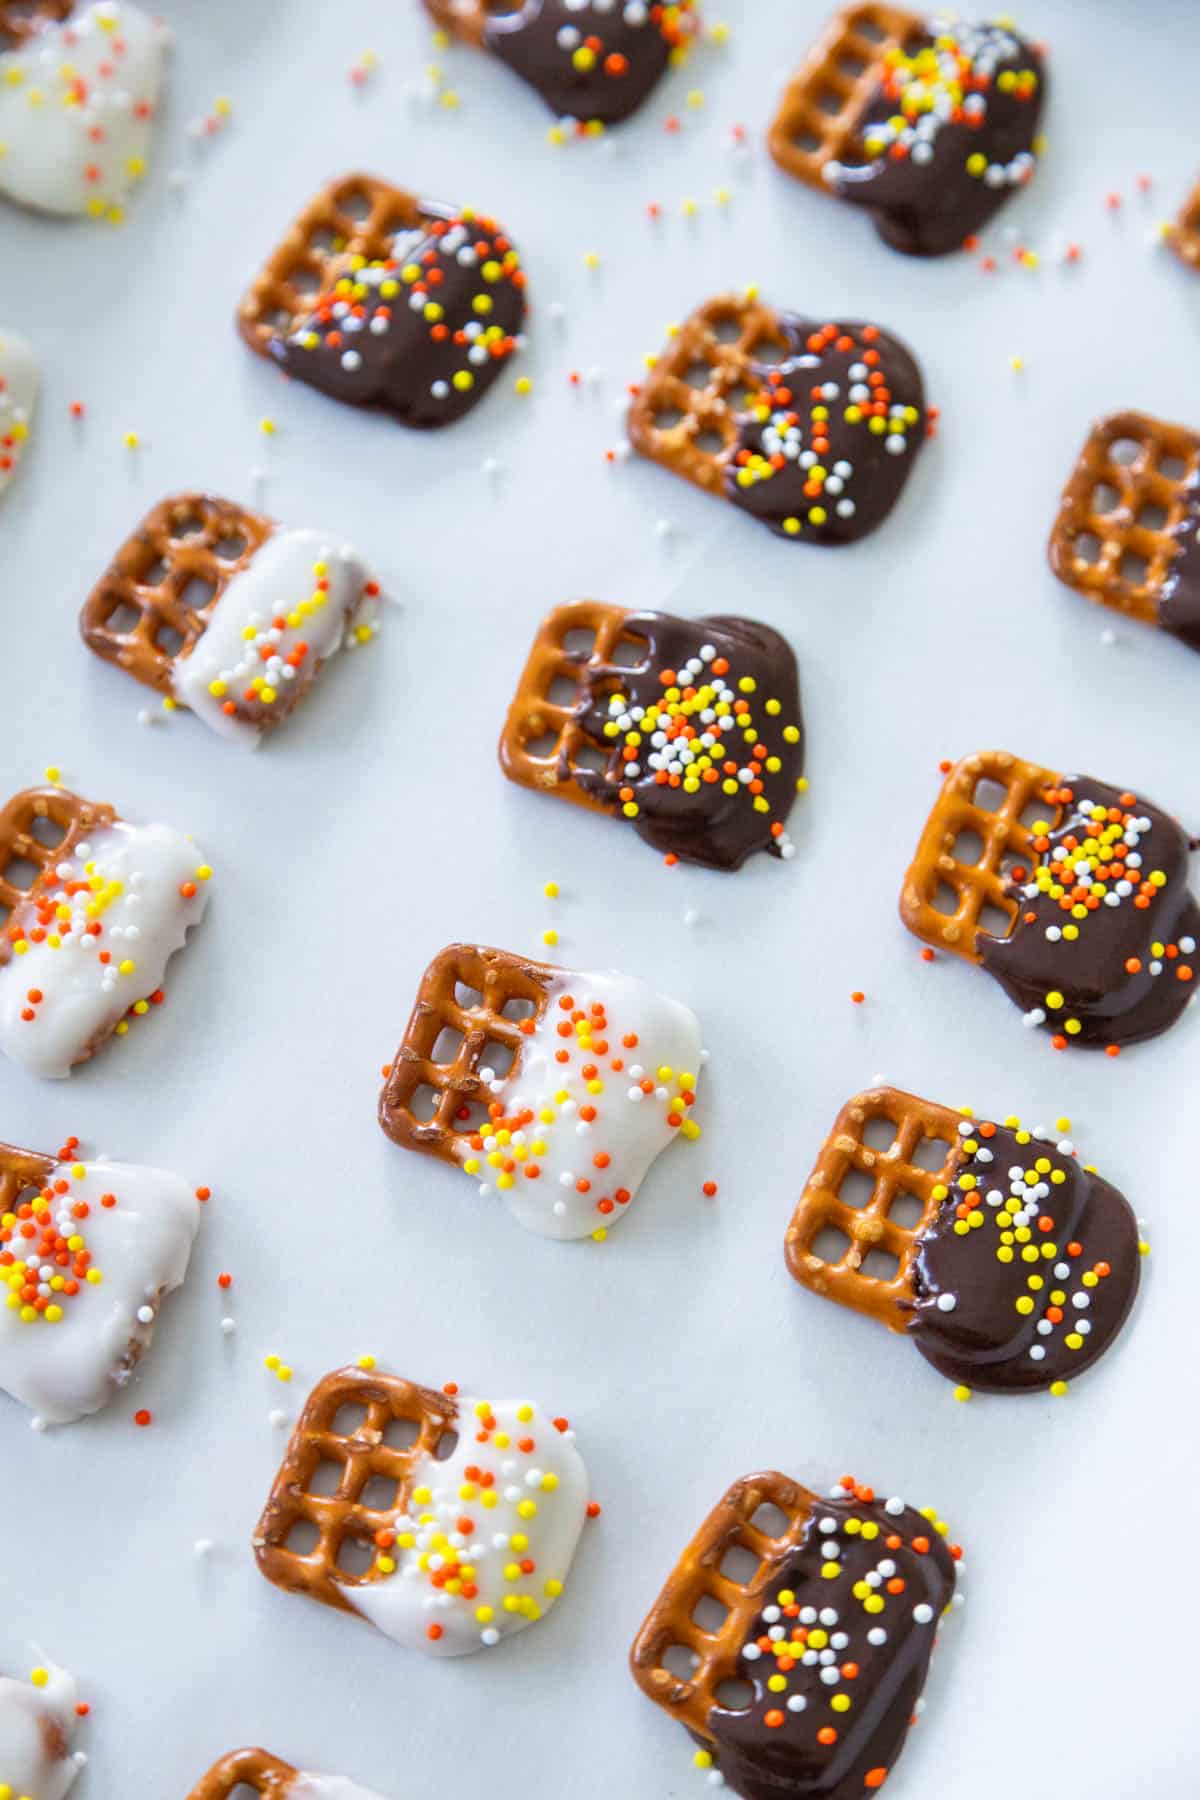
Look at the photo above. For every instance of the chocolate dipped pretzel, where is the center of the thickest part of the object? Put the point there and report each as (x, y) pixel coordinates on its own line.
(1093, 881)
(811, 427)
(256, 1771)
(474, 1544)
(1021, 1266)
(591, 60)
(556, 1088)
(1128, 527)
(699, 723)
(928, 124)
(383, 300)
(824, 1613)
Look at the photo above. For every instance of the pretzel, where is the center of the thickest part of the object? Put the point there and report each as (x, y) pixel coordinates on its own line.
(343, 1516)
(361, 245)
(804, 1620)
(870, 1227)
(909, 119)
(1184, 234)
(21, 20)
(1162, 591)
(241, 1769)
(500, 979)
(74, 817)
(22, 1172)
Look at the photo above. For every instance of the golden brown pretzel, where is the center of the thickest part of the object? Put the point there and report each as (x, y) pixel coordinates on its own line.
(189, 538)
(362, 1454)
(982, 883)
(817, 121)
(711, 408)
(502, 981)
(21, 1171)
(73, 817)
(533, 715)
(894, 1172)
(1183, 234)
(466, 19)
(21, 20)
(1120, 530)
(255, 1769)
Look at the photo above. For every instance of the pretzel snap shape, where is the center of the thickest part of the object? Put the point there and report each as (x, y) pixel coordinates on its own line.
(698, 722)
(1093, 882)
(1184, 233)
(386, 301)
(18, 396)
(38, 1722)
(261, 1773)
(811, 427)
(1128, 527)
(91, 911)
(227, 613)
(595, 61)
(556, 1088)
(927, 124)
(809, 1624)
(79, 89)
(1018, 1265)
(447, 1522)
(88, 1253)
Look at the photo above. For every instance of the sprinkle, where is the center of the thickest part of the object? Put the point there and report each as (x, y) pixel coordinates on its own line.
(143, 1418)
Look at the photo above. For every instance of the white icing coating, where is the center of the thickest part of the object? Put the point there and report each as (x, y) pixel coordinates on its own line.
(37, 1725)
(328, 1787)
(560, 1142)
(129, 879)
(525, 1502)
(18, 393)
(140, 1246)
(77, 106)
(316, 588)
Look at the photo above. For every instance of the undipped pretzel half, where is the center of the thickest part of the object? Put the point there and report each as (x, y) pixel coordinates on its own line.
(1015, 1267)
(383, 300)
(1128, 527)
(259, 1772)
(556, 1088)
(1092, 881)
(928, 125)
(826, 1610)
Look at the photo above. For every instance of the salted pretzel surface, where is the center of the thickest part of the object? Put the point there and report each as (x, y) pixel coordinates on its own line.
(698, 1575)
(21, 20)
(241, 1769)
(819, 115)
(362, 1454)
(506, 988)
(72, 817)
(359, 215)
(717, 345)
(1123, 529)
(533, 715)
(1184, 234)
(894, 1173)
(980, 884)
(170, 575)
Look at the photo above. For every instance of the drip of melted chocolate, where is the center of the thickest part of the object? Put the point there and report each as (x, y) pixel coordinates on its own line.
(598, 61)
(424, 349)
(982, 1339)
(709, 826)
(786, 1759)
(1111, 981)
(843, 421)
(924, 198)
(1179, 601)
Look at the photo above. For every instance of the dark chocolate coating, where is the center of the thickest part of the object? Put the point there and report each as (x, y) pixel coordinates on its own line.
(1113, 1005)
(1179, 601)
(786, 1762)
(879, 474)
(527, 39)
(711, 827)
(400, 361)
(927, 209)
(985, 1342)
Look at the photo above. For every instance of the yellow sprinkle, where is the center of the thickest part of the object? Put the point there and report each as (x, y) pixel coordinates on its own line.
(366, 1362)
(523, 384)
(53, 774)
(267, 427)
(1016, 363)
(131, 440)
(39, 1677)
(591, 260)
(962, 1393)
(1058, 1389)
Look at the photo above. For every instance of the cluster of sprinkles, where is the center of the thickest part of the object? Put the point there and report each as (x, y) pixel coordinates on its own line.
(866, 401)
(45, 1262)
(14, 431)
(809, 1649)
(1099, 863)
(947, 82)
(586, 51)
(367, 296)
(1020, 1204)
(696, 733)
(507, 1149)
(438, 1541)
(276, 654)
